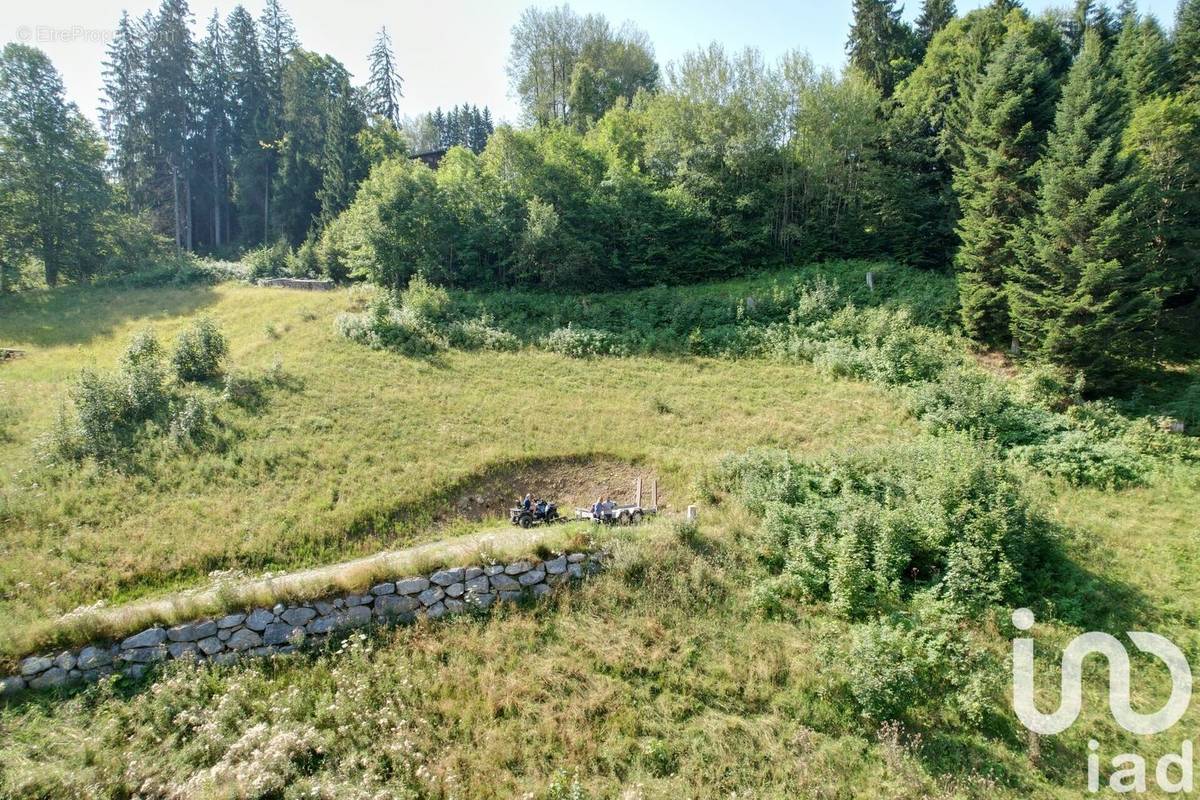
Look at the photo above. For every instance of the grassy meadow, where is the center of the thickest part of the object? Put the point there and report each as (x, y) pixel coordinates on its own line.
(354, 450)
(668, 676)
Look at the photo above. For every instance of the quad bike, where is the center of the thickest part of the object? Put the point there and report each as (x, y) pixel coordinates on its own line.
(528, 517)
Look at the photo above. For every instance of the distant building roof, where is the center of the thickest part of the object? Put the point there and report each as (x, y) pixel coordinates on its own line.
(430, 158)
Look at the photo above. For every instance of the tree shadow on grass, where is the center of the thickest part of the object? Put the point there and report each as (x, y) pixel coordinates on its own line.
(75, 315)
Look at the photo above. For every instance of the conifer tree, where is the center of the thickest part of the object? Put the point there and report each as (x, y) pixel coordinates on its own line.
(935, 15)
(170, 102)
(1080, 296)
(1142, 58)
(1010, 113)
(385, 86)
(122, 117)
(212, 85)
(1185, 46)
(880, 45)
(249, 129)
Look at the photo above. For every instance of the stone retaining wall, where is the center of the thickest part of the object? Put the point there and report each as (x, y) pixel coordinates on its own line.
(262, 631)
(298, 283)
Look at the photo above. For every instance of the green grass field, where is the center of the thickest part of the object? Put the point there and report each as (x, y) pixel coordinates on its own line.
(660, 679)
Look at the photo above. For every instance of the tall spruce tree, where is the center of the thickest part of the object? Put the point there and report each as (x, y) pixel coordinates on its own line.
(1010, 113)
(170, 105)
(249, 130)
(1142, 58)
(212, 87)
(122, 116)
(1185, 47)
(1080, 296)
(881, 45)
(384, 86)
(935, 15)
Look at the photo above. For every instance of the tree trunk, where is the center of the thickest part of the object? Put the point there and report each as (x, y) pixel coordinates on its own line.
(175, 189)
(267, 206)
(187, 226)
(216, 182)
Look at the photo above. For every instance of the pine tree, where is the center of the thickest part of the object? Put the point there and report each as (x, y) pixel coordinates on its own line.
(1010, 113)
(384, 87)
(122, 116)
(1080, 295)
(1185, 47)
(880, 44)
(249, 130)
(1142, 57)
(170, 100)
(212, 83)
(935, 15)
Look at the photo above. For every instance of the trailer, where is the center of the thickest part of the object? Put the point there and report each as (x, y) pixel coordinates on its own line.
(613, 513)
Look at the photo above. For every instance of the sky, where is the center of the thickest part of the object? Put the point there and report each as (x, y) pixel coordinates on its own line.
(455, 51)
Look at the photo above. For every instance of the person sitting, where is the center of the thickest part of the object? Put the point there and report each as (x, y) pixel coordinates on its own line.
(526, 503)
(597, 507)
(541, 507)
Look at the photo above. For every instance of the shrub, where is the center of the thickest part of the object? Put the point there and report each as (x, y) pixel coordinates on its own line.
(1082, 459)
(199, 351)
(971, 401)
(1187, 408)
(190, 422)
(482, 334)
(268, 261)
(304, 262)
(863, 532)
(425, 304)
(760, 477)
(1049, 387)
(583, 343)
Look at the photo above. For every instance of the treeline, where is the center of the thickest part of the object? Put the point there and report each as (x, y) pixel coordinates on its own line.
(462, 126)
(1052, 161)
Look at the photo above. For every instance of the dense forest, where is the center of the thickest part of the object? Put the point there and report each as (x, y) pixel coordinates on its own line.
(1052, 162)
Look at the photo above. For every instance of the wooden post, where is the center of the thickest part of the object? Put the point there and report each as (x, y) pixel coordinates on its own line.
(871, 281)
(654, 494)
(691, 513)
(637, 487)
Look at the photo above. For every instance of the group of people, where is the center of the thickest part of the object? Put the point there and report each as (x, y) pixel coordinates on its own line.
(528, 504)
(602, 506)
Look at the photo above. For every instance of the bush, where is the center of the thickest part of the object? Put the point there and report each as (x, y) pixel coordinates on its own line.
(268, 262)
(482, 334)
(199, 351)
(304, 262)
(190, 423)
(864, 532)
(971, 401)
(1082, 459)
(583, 343)
(425, 304)
(1187, 408)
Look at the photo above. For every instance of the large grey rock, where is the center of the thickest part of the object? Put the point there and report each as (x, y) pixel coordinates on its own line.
(144, 655)
(575, 558)
(532, 577)
(510, 597)
(445, 577)
(55, 676)
(383, 588)
(192, 631)
(358, 616)
(151, 637)
(324, 607)
(395, 605)
(225, 634)
(93, 675)
(432, 595)
(325, 624)
(472, 573)
(243, 639)
(358, 599)
(575, 570)
(483, 601)
(11, 685)
(517, 567)
(65, 660)
(477, 585)
(493, 569)
(412, 585)
(453, 606)
(455, 590)
(231, 621)
(259, 619)
(298, 616)
(436, 610)
(539, 589)
(136, 671)
(35, 664)
(210, 646)
(556, 566)
(505, 583)
(182, 649)
(93, 657)
(282, 633)
(225, 658)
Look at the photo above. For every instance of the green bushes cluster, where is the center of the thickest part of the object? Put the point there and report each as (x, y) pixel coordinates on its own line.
(199, 351)
(583, 343)
(112, 415)
(866, 532)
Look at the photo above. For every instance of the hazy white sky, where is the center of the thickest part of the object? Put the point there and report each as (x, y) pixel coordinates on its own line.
(455, 51)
